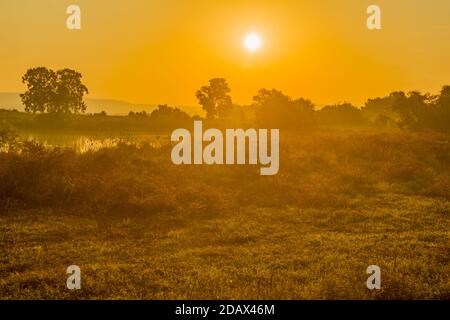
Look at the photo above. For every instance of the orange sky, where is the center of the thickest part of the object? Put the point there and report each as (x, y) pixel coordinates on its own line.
(146, 51)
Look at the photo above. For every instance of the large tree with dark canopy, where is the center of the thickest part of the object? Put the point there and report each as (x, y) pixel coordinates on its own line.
(53, 92)
(41, 87)
(214, 98)
(276, 110)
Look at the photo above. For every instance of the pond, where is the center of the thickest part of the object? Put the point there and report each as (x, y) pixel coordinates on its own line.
(88, 141)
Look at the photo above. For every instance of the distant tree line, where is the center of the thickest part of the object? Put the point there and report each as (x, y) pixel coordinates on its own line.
(412, 110)
(272, 108)
(62, 91)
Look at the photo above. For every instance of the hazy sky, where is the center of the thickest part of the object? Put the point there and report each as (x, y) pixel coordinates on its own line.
(147, 51)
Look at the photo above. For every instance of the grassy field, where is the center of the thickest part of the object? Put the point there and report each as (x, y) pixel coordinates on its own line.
(141, 228)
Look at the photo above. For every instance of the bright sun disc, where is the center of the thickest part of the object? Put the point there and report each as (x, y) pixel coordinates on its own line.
(253, 42)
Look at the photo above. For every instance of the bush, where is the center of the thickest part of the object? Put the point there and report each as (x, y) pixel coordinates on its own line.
(317, 170)
(8, 138)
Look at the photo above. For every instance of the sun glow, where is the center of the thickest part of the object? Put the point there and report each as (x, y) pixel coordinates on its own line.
(253, 42)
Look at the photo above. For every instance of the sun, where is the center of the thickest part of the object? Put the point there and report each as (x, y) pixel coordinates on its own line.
(253, 42)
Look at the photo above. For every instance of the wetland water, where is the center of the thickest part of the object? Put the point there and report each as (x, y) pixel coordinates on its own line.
(90, 141)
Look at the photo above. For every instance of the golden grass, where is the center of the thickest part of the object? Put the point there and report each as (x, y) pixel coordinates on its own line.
(142, 228)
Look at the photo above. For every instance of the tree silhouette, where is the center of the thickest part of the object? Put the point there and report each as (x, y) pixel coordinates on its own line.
(343, 114)
(411, 108)
(444, 98)
(215, 98)
(168, 117)
(442, 121)
(53, 92)
(69, 92)
(41, 85)
(276, 110)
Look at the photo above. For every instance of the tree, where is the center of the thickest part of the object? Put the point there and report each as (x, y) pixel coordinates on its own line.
(69, 92)
(344, 114)
(444, 98)
(141, 114)
(53, 92)
(412, 108)
(41, 85)
(215, 98)
(379, 111)
(276, 110)
(168, 117)
(442, 114)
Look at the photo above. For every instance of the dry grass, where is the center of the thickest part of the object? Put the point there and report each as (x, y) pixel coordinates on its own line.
(140, 227)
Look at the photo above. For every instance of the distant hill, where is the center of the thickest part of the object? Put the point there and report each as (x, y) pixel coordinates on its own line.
(11, 100)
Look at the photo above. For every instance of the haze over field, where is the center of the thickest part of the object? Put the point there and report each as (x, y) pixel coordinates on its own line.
(11, 100)
(161, 51)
